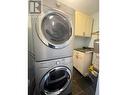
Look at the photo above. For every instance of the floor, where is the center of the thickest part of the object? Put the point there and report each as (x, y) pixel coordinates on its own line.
(82, 85)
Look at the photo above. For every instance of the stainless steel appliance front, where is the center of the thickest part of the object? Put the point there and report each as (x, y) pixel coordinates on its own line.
(55, 81)
(54, 29)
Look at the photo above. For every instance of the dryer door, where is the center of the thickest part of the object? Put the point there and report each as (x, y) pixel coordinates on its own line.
(55, 81)
(56, 30)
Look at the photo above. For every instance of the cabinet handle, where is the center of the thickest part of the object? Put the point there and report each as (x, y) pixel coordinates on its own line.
(83, 33)
(77, 56)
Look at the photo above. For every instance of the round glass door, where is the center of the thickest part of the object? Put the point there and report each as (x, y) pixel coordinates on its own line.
(56, 28)
(55, 81)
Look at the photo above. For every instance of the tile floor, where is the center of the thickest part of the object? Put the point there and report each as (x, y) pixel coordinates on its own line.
(82, 85)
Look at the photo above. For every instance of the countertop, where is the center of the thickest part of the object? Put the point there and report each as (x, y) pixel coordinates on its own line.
(85, 49)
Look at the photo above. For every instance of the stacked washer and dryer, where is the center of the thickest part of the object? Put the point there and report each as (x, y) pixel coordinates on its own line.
(53, 45)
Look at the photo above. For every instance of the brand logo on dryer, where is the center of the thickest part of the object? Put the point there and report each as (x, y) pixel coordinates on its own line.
(34, 7)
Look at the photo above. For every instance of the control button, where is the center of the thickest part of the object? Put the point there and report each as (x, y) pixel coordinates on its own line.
(58, 4)
(57, 62)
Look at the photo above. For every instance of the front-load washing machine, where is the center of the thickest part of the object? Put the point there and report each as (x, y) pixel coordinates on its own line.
(54, 77)
(53, 32)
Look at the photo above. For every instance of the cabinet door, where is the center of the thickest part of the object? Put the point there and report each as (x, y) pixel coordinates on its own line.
(83, 24)
(79, 23)
(81, 62)
(89, 26)
(75, 59)
(85, 63)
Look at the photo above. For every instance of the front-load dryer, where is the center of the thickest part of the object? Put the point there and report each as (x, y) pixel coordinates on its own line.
(52, 34)
(54, 77)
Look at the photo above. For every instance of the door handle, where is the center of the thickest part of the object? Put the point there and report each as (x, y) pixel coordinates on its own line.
(58, 80)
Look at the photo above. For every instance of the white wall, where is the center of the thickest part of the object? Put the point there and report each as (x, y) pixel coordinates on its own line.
(80, 42)
(95, 28)
(85, 6)
(96, 21)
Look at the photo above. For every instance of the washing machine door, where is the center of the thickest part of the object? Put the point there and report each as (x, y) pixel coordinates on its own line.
(55, 81)
(55, 29)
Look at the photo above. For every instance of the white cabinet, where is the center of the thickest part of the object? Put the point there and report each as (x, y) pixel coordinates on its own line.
(81, 61)
(83, 24)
